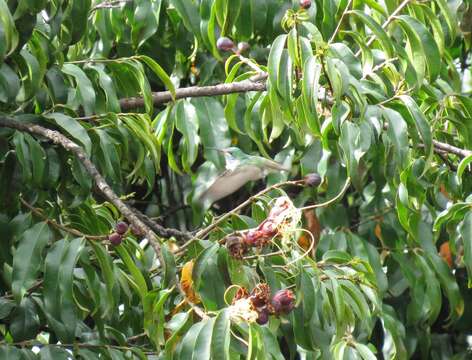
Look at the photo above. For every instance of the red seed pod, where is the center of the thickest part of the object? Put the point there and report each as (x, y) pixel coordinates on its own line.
(115, 239)
(225, 44)
(251, 236)
(263, 316)
(283, 301)
(260, 295)
(305, 4)
(121, 227)
(268, 228)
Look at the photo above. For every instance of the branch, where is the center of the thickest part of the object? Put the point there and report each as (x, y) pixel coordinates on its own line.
(196, 91)
(102, 185)
(451, 149)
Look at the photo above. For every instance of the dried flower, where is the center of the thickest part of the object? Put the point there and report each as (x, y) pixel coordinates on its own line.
(236, 246)
(260, 295)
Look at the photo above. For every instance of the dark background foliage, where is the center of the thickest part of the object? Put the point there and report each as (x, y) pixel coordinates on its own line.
(97, 126)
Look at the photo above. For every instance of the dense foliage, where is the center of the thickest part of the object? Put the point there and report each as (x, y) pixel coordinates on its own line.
(374, 96)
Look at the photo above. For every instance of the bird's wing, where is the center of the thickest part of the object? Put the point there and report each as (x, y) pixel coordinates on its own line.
(274, 165)
(230, 181)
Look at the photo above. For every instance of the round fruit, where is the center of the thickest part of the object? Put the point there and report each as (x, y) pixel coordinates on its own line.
(312, 179)
(263, 316)
(305, 4)
(115, 239)
(121, 227)
(283, 301)
(225, 44)
(243, 46)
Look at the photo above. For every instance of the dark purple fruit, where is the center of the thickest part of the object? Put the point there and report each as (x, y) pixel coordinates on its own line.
(225, 44)
(305, 4)
(283, 301)
(312, 179)
(121, 227)
(115, 239)
(263, 316)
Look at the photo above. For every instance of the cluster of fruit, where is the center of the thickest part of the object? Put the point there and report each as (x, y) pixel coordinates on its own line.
(117, 237)
(281, 216)
(263, 304)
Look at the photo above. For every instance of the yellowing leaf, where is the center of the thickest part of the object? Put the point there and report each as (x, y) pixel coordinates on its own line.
(186, 283)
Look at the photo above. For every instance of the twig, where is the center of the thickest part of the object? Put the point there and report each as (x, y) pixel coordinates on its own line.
(28, 343)
(159, 229)
(331, 201)
(386, 23)
(39, 213)
(346, 9)
(100, 182)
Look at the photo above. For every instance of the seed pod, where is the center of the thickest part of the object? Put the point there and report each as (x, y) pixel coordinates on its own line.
(260, 295)
(115, 239)
(225, 44)
(121, 227)
(312, 179)
(236, 246)
(283, 301)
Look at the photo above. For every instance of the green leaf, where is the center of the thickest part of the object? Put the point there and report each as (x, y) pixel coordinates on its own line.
(59, 305)
(160, 73)
(73, 128)
(220, 338)
(8, 29)
(398, 134)
(202, 348)
(137, 281)
(28, 257)
(188, 11)
(418, 35)
(85, 90)
(466, 234)
(378, 31)
(214, 132)
(186, 121)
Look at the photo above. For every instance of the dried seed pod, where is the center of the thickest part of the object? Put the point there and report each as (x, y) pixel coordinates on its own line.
(236, 246)
(260, 295)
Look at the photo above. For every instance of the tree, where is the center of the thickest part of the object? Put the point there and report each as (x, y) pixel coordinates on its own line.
(111, 117)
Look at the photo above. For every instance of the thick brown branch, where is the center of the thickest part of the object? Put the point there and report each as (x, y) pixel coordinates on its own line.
(451, 149)
(102, 185)
(195, 91)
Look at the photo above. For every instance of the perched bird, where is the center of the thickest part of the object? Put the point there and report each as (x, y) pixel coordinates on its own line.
(240, 168)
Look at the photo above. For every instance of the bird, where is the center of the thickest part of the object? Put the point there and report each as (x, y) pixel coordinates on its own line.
(240, 169)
